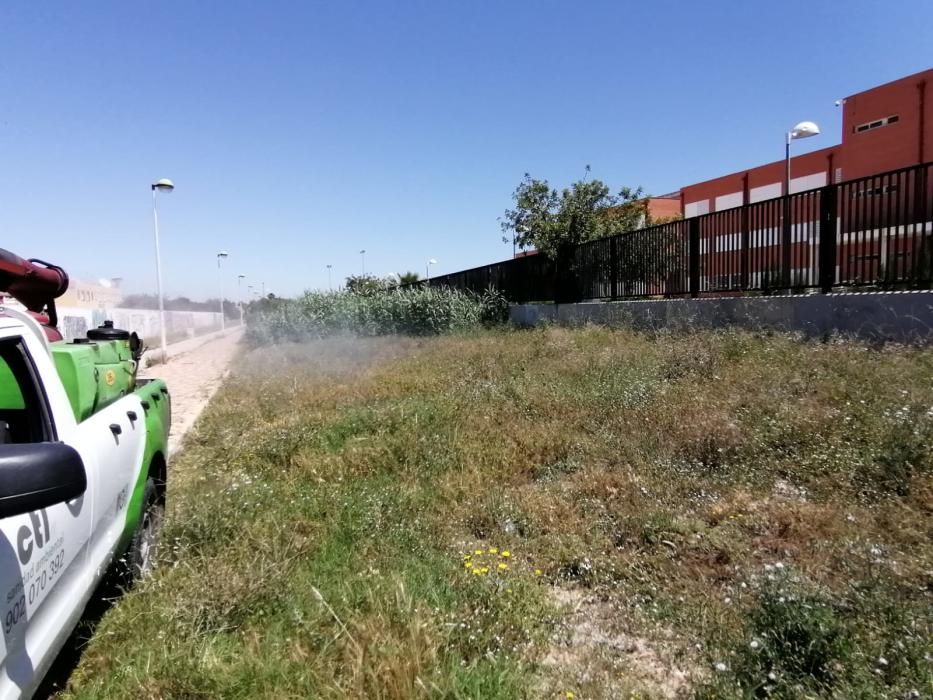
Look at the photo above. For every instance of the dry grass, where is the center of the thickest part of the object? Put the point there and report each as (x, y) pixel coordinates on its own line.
(720, 514)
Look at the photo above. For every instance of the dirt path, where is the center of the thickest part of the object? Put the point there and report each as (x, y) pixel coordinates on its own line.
(192, 379)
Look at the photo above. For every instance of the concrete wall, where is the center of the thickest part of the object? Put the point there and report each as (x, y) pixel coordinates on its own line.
(75, 322)
(894, 316)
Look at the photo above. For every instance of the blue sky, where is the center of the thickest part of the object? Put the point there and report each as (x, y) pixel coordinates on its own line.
(298, 133)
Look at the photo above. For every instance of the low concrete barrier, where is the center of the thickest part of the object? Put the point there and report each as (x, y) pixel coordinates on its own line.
(905, 317)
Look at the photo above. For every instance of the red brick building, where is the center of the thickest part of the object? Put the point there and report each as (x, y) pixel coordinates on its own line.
(884, 128)
(883, 223)
(665, 206)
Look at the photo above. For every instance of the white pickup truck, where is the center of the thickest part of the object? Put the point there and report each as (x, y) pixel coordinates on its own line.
(83, 454)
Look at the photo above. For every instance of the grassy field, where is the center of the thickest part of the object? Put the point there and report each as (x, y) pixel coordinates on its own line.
(550, 513)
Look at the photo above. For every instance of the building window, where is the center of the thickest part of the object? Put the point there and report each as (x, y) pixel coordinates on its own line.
(868, 126)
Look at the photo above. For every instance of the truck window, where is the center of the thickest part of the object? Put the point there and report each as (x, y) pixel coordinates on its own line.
(24, 411)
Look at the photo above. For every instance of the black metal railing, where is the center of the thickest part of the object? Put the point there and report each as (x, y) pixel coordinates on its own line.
(874, 232)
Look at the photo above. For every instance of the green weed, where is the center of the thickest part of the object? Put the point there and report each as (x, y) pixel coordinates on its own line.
(338, 522)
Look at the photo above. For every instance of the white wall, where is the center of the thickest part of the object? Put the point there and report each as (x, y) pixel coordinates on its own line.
(728, 201)
(696, 208)
(797, 184)
(75, 322)
(808, 182)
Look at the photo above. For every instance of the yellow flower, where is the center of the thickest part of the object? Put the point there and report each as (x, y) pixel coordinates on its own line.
(493, 550)
(538, 572)
(477, 572)
(478, 551)
(503, 567)
(467, 565)
(506, 553)
(508, 590)
(485, 569)
(569, 695)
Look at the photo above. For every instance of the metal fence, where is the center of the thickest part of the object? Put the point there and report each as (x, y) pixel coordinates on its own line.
(874, 232)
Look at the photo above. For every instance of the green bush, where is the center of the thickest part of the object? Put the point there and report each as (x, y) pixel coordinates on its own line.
(495, 307)
(904, 450)
(407, 311)
(796, 639)
(802, 641)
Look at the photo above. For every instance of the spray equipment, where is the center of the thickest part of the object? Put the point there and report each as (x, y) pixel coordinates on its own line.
(96, 370)
(36, 285)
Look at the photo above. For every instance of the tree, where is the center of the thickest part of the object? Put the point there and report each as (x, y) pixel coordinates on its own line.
(552, 221)
(365, 285)
(409, 278)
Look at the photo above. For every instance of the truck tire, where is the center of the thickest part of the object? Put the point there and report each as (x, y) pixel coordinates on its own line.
(140, 558)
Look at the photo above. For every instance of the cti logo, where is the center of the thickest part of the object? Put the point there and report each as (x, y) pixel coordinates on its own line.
(38, 534)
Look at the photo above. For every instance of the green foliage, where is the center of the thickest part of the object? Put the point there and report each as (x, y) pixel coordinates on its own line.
(793, 638)
(409, 278)
(904, 449)
(495, 307)
(311, 565)
(373, 310)
(549, 221)
(366, 284)
(799, 641)
(686, 515)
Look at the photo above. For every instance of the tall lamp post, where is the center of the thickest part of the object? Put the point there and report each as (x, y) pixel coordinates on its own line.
(330, 285)
(363, 261)
(166, 186)
(427, 268)
(801, 131)
(220, 275)
(239, 295)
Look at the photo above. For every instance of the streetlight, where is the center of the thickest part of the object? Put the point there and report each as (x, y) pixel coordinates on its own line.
(239, 295)
(427, 268)
(222, 254)
(801, 131)
(363, 261)
(166, 186)
(330, 285)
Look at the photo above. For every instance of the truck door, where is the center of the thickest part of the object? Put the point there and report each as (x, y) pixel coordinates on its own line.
(43, 554)
(117, 435)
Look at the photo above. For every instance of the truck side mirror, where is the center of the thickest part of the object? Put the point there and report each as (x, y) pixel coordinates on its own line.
(37, 475)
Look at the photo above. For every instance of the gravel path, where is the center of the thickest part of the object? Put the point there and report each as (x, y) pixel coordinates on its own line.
(192, 379)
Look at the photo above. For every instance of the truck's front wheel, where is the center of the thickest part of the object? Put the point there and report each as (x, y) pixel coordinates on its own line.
(141, 554)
